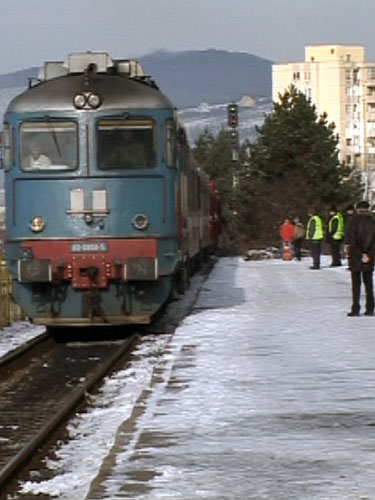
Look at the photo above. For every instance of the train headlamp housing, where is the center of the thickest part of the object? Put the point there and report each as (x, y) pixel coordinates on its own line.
(37, 224)
(79, 101)
(93, 101)
(86, 100)
(140, 221)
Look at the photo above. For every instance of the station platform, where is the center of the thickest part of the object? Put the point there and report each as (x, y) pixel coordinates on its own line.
(266, 392)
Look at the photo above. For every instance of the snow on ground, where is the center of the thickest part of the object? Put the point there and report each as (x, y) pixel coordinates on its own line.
(270, 338)
(12, 337)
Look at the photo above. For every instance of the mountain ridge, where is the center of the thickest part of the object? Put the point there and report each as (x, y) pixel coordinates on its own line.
(191, 77)
(212, 76)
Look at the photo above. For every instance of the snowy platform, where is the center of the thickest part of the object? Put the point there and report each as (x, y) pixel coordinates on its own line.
(265, 391)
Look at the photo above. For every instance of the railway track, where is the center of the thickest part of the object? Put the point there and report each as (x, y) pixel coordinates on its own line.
(40, 388)
(42, 383)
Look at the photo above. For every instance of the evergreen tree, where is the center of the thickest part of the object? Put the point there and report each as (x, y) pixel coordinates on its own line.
(293, 165)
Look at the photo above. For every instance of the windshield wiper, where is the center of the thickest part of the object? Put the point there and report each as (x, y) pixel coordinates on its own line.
(54, 135)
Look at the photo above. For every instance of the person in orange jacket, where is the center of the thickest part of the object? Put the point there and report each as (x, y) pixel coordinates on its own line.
(286, 234)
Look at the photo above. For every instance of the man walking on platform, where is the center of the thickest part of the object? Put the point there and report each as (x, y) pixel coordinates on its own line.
(360, 247)
(315, 235)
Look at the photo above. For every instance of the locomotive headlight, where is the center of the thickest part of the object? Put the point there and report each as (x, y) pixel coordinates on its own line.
(37, 224)
(79, 101)
(140, 221)
(93, 100)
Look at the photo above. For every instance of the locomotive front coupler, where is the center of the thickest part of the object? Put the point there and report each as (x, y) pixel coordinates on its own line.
(91, 271)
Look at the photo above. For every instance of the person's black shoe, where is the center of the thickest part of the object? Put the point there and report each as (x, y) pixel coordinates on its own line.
(352, 313)
(314, 267)
(369, 313)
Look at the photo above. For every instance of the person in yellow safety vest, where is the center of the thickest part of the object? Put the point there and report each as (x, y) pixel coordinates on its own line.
(335, 236)
(315, 235)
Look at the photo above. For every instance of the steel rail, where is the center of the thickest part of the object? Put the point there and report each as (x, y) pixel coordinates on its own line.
(23, 348)
(79, 394)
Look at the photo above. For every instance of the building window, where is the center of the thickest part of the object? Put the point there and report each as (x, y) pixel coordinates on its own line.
(356, 76)
(332, 51)
(348, 159)
(348, 142)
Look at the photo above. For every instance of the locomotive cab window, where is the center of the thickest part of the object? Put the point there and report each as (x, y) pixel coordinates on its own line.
(126, 144)
(48, 145)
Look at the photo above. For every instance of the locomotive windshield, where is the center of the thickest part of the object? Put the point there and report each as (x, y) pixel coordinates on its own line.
(126, 144)
(49, 145)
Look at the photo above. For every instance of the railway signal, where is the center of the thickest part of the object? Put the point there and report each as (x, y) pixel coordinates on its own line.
(233, 124)
(232, 115)
(234, 138)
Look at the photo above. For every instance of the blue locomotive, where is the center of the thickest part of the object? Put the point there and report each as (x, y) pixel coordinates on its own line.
(106, 209)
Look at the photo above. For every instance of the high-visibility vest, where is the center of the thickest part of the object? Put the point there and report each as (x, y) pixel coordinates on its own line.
(339, 233)
(318, 232)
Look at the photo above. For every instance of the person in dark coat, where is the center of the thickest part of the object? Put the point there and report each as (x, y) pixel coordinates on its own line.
(349, 214)
(360, 247)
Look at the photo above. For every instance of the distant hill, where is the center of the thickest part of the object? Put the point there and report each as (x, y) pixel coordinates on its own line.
(213, 76)
(18, 78)
(191, 77)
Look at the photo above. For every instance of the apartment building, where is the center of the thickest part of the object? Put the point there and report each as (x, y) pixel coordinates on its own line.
(340, 82)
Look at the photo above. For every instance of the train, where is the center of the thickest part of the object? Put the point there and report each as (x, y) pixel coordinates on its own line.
(107, 210)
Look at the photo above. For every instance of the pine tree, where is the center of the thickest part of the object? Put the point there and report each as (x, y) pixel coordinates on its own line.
(293, 165)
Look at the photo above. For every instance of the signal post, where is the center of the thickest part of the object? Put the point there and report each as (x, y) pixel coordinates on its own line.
(234, 141)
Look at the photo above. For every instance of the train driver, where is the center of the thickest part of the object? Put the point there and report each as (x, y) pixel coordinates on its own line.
(36, 160)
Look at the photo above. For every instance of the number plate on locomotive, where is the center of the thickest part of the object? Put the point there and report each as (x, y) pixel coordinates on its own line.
(87, 247)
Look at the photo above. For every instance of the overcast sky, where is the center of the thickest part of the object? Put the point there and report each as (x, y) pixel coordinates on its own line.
(32, 31)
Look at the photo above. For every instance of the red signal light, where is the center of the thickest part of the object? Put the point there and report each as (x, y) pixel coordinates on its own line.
(232, 115)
